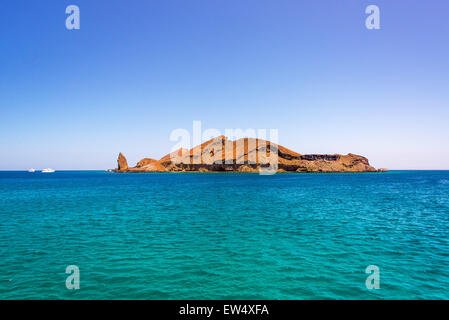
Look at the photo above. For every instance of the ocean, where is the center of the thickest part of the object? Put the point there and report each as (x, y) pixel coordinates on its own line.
(224, 235)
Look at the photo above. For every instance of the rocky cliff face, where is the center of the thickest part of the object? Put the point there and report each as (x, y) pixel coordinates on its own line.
(246, 155)
(122, 164)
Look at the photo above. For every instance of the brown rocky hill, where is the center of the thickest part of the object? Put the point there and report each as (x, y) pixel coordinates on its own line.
(246, 155)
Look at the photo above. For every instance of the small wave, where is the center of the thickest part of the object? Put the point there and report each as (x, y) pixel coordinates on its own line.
(444, 181)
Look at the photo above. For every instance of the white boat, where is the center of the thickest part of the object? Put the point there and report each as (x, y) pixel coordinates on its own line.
(48, 170)
(31, 170)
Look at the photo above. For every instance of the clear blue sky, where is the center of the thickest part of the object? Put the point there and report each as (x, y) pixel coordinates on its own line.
(137, 70)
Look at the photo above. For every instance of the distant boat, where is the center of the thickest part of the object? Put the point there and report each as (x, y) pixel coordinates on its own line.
(48, 170)
(31, 170)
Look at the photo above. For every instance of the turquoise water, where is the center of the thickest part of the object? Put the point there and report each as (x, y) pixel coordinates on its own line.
(224, 236)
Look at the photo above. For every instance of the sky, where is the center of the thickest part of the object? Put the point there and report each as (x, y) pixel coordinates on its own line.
(137, 70)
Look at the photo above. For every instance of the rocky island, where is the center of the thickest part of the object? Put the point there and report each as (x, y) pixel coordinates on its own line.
(246, 155)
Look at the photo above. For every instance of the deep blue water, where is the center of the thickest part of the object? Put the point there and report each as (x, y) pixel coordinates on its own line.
(224, 236)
